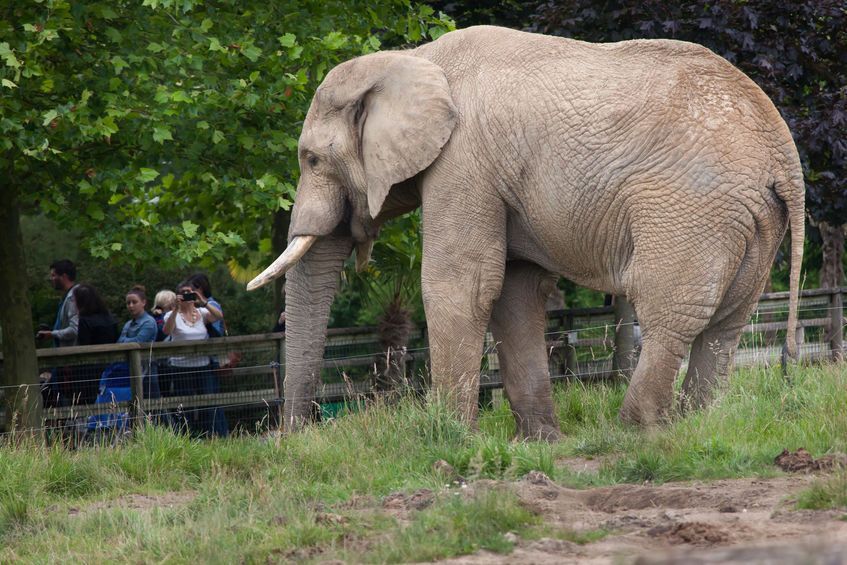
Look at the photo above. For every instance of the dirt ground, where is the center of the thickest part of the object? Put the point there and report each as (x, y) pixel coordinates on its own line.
(725, 521)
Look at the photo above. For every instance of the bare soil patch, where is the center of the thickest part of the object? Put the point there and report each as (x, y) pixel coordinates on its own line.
(802, 461)
(724, 521)
(138, 502)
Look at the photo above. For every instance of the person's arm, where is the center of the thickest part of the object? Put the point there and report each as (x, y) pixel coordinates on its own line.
(72, 331)
(213, 313)
(170, 322)
(123, 338)
(148, 330)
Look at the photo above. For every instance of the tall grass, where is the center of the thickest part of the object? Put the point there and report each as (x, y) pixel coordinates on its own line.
(760, 414)
(300, 497)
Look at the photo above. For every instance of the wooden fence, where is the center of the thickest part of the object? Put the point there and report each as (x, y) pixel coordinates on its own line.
(586, 343)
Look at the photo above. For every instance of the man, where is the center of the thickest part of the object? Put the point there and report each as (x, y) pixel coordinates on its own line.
(63, 279)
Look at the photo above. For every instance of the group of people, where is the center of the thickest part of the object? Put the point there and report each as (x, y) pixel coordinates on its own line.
(190, 313)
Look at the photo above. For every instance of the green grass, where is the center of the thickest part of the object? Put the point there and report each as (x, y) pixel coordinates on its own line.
(293, 498)
(827, 493)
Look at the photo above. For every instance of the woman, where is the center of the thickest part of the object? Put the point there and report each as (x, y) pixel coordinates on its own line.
(164, 302)
(191, 373)
(201, 284)
(115, 380)
(96, 327)
(96, 324)
(141, 328)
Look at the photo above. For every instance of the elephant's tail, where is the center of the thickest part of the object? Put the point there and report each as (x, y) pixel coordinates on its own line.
(792, 191)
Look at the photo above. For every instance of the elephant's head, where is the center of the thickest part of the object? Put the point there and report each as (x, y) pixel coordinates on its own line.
(374, 122)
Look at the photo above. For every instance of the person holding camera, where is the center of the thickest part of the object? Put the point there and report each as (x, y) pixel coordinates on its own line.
(187, 321)
(192, 374)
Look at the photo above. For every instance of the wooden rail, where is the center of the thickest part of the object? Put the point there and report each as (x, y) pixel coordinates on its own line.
(581, 342)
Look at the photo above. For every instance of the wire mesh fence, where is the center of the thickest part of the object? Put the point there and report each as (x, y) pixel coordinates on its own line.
(217, 386)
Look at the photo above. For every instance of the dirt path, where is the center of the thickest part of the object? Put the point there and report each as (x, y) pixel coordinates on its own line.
(726, 521)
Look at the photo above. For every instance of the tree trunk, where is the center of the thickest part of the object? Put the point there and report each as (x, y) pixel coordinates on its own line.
(310, 289)
(832, 268)
(395, 327)
(626, 349)
(20, 366)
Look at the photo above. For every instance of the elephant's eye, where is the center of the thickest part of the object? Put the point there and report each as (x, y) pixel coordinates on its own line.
(312, 160)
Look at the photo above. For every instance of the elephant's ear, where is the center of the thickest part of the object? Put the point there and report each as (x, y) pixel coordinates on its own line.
(403, 121)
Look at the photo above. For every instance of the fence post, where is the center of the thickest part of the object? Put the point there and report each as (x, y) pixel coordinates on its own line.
(277, 369)
(136, 386)
(625, 355)
(836, 324)
(570, 351)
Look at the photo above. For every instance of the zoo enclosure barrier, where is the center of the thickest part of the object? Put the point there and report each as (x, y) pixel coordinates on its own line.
(244, 380)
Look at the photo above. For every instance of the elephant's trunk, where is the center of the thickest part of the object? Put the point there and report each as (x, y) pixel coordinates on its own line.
(310, 289)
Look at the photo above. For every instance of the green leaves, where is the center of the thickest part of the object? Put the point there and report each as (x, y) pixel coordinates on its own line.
(119, 64)
(169, 127)
(162, 134)
(288, 40)
(8, 56)
(334, 40)
(146, 175)
(189, 228)
(49, 117)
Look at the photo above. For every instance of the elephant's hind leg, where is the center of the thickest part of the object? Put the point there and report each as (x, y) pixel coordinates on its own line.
(712, 355)
(518, 323)
(649, 398)
(672, 313)
(713, 352)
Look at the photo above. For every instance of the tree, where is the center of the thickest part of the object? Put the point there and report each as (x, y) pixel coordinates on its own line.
(391, 292)
(515, 14)
(165, 130)
(795, 50)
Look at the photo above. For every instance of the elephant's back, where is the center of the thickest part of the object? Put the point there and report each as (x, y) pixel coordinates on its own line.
(544, 94)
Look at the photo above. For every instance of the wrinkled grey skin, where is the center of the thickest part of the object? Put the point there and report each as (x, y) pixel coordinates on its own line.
(650, 169)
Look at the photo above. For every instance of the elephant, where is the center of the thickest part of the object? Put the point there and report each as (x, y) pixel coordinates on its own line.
(650, 169)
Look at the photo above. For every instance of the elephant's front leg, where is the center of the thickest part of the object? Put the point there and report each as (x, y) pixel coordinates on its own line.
(462, 273)
(518, 323)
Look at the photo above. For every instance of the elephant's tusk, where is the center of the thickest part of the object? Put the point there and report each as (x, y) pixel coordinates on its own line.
(295, 250)
(363, 254)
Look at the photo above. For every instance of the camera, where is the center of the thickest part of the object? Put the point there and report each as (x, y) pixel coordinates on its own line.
(189, 296)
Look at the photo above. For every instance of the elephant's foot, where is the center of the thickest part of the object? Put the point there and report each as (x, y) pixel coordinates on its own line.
(643, 411)
(546, 433)
(541, 426)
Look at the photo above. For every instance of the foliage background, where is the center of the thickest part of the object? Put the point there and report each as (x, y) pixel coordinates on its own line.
(158, 138)
(150, 140)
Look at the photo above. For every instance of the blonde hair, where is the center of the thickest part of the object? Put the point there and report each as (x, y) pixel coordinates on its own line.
(164, 301)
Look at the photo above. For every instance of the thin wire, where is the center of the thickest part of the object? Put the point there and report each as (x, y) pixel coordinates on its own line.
(154, 414)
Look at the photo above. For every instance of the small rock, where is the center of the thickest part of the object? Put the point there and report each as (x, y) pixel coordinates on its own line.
(394, 501)
(549, 545)
(420, 499)
(511, 537)
(446, 470)
(330, 519)
(728, 508)
(537, 478)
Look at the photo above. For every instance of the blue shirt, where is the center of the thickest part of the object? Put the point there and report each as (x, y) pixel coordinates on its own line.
(219, 324)
(141, 330)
